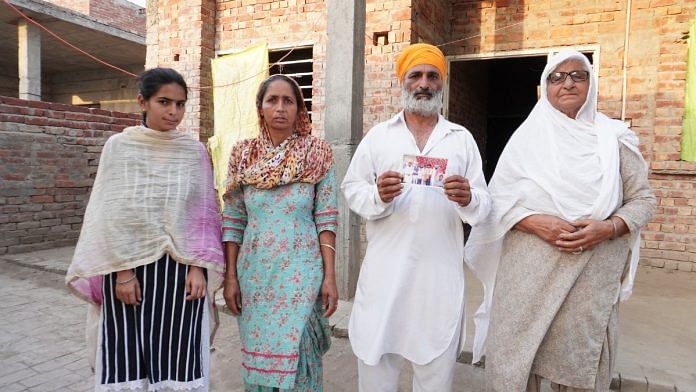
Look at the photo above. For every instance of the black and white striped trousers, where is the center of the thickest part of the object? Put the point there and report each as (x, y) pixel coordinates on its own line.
(159, 344)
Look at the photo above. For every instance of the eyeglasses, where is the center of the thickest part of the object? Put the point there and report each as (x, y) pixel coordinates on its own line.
(576, 76)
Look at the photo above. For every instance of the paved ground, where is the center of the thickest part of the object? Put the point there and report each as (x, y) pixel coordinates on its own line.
(42, 345)
(41, 333)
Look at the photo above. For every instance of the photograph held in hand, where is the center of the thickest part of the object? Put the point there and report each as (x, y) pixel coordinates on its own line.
(423, 170)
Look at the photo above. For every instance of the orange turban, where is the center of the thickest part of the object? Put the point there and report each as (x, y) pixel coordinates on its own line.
(418, 54)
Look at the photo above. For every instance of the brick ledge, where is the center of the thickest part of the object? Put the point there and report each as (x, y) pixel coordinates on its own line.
(682, 168)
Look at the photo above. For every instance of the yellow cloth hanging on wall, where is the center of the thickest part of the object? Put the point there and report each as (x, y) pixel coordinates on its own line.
(236, 78)
(688, 139)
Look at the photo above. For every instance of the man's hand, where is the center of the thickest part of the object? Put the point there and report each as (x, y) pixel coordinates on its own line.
(547, 227)
(389, 186)
(128, 292)
(457, 189)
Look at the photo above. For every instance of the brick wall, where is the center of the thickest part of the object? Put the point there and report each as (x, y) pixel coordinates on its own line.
(670, 239)
(181, 35)
(117, 13)
(382, 89)
(656, 66)
(655, 86)
(48, 158)
(81, 6)
(283, 24)
(431, 21)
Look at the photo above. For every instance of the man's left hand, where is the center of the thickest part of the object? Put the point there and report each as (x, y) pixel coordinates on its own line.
(457, 189)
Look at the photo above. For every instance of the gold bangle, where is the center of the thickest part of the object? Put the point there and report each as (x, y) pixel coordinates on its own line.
(328, 246)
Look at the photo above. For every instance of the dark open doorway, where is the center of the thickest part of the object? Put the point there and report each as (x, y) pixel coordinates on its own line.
(492, 97)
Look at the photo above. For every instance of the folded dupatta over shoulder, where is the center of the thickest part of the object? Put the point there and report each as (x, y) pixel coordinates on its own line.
(553, 165)
(153, 194)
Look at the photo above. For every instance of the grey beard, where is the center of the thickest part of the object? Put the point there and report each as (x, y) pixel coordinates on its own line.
(423, 107)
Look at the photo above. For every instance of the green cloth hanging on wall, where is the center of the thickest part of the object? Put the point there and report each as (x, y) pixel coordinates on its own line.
(688, 140)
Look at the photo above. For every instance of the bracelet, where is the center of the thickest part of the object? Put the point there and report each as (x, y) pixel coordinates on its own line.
(328, 246)
(615, 230)
(127, 280)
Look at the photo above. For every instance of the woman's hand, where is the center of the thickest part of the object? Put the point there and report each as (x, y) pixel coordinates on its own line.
(195, 283)
(232, 294)
(128, 292)
(547, 227)
(589, 233)
(329, 295)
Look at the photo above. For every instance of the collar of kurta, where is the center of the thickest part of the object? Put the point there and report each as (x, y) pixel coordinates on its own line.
(441, 130)
(442, 122)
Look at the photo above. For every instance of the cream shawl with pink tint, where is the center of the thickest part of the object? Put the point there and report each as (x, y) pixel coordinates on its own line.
(153, 194)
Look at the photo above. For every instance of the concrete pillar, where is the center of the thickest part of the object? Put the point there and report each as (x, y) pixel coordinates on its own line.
(154, 13)
(345, 68)
(29, 61)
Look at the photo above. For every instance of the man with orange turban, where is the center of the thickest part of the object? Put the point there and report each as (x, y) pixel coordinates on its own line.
(409, 303)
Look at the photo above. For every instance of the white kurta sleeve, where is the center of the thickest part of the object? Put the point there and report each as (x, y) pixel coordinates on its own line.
(360, 185)
(480, 204)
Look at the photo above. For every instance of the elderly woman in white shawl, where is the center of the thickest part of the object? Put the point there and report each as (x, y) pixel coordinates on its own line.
(561, 247)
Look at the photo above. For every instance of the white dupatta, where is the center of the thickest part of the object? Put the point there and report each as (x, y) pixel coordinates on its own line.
(554, 165)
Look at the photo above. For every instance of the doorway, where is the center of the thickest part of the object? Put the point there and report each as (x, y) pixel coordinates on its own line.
(492, 97)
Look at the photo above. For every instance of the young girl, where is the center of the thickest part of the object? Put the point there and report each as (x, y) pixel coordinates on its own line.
(149, 247)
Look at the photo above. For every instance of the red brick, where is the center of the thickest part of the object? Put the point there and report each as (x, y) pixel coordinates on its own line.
(12, 118)
(79, 116)
(36, 121)
(12, 101)
(42, 199)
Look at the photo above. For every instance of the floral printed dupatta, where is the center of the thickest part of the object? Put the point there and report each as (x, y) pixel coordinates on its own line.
(299, 158)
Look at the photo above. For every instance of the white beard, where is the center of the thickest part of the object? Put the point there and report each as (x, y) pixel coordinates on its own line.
(421, 106)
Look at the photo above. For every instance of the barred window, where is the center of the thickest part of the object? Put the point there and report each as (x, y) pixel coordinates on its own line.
(298, 64)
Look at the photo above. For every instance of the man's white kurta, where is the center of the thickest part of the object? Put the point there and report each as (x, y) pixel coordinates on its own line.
(410, 294)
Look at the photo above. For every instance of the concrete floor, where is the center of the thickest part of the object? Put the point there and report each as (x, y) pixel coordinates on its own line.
(658, 329)
(42, 346)
(340, 366)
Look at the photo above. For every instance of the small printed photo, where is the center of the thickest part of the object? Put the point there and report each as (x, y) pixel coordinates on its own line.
(422, 170)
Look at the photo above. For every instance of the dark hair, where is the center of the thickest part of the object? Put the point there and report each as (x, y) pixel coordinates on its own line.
(293, 84)
(150, 81)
